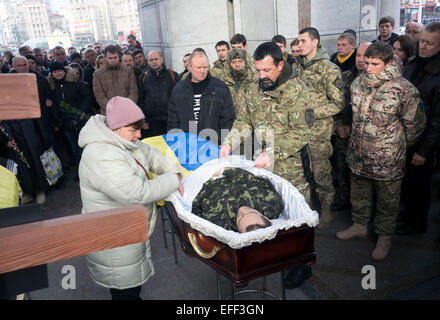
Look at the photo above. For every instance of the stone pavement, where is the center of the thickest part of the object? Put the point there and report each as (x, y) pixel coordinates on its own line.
(411, 271)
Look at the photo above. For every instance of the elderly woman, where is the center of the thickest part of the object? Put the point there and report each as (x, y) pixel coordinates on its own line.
(113, 173)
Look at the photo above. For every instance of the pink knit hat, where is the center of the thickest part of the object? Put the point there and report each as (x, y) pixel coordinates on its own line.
(122, 112)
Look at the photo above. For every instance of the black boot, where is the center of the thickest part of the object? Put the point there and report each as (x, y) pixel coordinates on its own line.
(297, 276)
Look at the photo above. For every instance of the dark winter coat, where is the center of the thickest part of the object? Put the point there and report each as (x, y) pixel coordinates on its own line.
(426, 78)
(74, 92)
(154, 92)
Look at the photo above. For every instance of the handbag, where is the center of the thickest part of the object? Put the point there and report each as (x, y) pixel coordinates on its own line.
(52, 166)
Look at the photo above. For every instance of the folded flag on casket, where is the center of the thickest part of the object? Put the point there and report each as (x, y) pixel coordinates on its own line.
(187, 150)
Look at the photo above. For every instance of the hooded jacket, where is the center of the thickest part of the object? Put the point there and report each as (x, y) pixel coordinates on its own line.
(73, 91)
(386, 121)
(324, 81)
(239, 88)
(111, 178)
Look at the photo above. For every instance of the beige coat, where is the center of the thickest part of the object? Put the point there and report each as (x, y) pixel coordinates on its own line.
(109, 82)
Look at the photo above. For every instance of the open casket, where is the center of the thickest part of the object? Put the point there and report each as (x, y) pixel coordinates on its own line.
(242, 257)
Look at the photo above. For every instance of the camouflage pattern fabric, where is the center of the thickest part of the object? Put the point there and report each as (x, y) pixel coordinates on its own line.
(362, 192)
(387, 119)
(323, 78)
(281, 119)
(217, 69)
(239, 89)
(220, 199)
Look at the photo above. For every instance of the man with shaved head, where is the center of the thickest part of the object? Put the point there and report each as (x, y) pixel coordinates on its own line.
(155, 86)
(414, 29)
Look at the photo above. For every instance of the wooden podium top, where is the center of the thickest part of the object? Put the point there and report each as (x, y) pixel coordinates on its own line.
(19, 96)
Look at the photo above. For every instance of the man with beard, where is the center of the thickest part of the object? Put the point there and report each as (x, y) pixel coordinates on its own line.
(155, 88)
(279, 110)
(113, 80)
(238, 76)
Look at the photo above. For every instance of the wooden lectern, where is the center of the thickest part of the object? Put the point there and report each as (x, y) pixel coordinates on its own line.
(23, 245)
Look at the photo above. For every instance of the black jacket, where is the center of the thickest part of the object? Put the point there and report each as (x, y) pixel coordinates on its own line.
(74, 92)
(348, 64)
(5, 69)
(216, 107)
(427, 80)
(44, 123)
(88, 74)
(154, 92)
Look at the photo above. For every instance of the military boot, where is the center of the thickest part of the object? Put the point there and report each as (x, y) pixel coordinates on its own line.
(325, 217)
(382, 248)
(355, 231)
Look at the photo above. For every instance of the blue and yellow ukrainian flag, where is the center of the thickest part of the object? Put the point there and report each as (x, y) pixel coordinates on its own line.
(187, 150)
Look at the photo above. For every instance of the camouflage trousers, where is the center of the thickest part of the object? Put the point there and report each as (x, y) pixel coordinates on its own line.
(387, 202)
(292, 170)
(320, 151)
(340, 170)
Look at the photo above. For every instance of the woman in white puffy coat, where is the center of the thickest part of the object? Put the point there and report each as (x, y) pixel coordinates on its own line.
(113, 173)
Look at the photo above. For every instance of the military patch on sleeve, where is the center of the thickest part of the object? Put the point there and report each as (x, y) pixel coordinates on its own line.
(310, 117)
(420, 114)
(338, 83)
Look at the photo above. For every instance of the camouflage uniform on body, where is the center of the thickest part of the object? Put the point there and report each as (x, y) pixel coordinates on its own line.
(386, 121)
(218, 69)
(239, 87)
(286, 111)
(220, 199)
(344, 118)
(323, 78)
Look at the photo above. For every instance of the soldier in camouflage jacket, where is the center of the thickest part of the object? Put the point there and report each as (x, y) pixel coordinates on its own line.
(387, 119)
(281, 118)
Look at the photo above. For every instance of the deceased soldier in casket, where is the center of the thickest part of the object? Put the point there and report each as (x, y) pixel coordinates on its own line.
(237, 200)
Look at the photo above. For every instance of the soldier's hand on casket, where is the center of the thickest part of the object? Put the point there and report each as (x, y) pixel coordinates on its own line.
(262, 161)
(225, 151)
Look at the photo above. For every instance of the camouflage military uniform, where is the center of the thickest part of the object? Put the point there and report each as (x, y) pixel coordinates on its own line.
(386, 121)
(324, 81)
(220, 199)
(217, 69)
(344, 118)
(239, 88)
(287, 112)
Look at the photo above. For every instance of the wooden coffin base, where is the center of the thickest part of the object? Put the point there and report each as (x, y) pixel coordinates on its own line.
(290, 248)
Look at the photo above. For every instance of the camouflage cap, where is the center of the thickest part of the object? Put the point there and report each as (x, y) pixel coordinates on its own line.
(236, 53)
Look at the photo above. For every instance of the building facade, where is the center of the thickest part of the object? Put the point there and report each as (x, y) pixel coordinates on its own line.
(126, 19)
(177, 27)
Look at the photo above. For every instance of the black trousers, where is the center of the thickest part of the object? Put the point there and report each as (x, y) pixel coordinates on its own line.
(126, 294)
(416, 193)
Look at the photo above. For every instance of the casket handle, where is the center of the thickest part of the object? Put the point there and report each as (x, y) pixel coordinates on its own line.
(207, 255)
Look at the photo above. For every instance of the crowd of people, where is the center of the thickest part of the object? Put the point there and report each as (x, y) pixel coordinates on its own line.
(355, 130)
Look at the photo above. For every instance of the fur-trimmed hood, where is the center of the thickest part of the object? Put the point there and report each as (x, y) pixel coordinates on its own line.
(70, 77)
